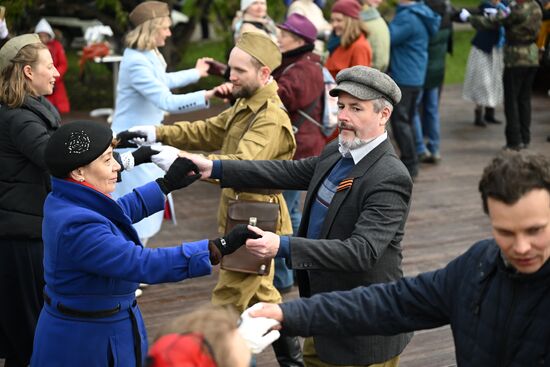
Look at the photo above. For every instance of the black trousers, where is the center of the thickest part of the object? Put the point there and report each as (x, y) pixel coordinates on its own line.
(518, 82)
(403, 128)
(21, 286)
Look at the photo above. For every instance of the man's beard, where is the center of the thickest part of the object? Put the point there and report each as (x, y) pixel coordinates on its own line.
(345, 145)
(245, 91)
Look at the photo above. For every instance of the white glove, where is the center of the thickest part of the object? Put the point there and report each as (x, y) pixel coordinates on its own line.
(3, 29)
(166, 156)
(464, 15)
(490, 12)
(253, 330)
(148, 130)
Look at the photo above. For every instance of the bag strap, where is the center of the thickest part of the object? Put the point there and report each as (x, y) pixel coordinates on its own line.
(309, 109)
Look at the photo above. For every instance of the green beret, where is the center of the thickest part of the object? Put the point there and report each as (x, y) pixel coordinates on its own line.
(261, 47)
(13, 46)
(75, 145)
(366, 83)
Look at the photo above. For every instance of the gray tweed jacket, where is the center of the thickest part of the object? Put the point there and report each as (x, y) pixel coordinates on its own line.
(360, 241)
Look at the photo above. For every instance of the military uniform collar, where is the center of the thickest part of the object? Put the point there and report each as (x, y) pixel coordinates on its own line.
(259, 98)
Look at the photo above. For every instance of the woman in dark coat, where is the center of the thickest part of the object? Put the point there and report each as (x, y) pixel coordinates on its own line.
(27, 120)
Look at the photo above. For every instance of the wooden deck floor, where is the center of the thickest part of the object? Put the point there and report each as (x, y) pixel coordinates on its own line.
(445, 219)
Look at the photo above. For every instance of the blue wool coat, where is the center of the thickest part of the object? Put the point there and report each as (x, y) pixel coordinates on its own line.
(410, 32)
(93, 261)
(143, 96)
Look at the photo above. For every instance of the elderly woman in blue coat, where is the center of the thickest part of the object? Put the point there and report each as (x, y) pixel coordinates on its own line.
(144, 91)
(93, 258)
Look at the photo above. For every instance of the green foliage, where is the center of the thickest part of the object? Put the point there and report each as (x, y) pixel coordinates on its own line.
(456, 63)
(95, 90)
(116, 7)
(15, 11)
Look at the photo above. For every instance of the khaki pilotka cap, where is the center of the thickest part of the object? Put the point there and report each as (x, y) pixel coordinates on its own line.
(366, 83)
(147, 11)
(13, 46)
(261, 47)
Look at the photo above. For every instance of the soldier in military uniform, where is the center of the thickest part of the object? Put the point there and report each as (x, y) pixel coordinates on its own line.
(521, 24)
(256, 127)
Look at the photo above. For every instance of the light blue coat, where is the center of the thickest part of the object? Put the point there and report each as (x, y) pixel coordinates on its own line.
(143, 95)
(93, 261)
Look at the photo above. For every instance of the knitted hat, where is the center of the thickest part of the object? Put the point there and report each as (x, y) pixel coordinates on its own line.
(366, 83)
(350, 8)
(44, 27)
(261, 47)
(75, 145)
(246, 3)
(300, 26)
(173, 350)
(13, 46)
(148, 10)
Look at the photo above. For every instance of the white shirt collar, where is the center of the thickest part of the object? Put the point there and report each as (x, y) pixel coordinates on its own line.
(360, 153)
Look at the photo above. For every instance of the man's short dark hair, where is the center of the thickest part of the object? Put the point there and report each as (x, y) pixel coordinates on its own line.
(513, 174)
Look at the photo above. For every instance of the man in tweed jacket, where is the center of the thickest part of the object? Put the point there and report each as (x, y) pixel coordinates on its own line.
(358, 195)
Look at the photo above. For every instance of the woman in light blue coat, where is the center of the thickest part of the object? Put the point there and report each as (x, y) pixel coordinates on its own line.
(144, 95)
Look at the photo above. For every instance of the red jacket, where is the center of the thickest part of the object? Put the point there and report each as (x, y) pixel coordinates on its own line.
(59, 96)
(300, 85)
(358, 53)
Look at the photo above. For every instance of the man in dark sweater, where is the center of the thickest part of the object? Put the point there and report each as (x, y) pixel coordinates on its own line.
(495, 296)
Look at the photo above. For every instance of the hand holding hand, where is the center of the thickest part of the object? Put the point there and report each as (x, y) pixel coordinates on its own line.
(204, 164)
(236, 237)
(256, 330)
(182, 173)
(222, 91)
(127, 139)
(216, 67)
(464, 15)
(143, 154)
(269, 310)
(165, 157)
(265, 246)
(202, 66)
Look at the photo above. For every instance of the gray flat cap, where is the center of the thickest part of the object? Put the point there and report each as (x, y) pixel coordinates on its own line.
(366, 83)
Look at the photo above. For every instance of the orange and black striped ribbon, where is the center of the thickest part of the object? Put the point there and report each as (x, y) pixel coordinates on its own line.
(344, 184)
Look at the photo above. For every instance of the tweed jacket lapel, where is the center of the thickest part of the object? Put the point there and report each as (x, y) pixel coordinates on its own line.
(356, 173)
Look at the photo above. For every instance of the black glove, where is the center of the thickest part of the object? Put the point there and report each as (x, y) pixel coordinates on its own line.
(116, 156)
(233, 240)
(143, 154)
(124, 139)
(177, 176)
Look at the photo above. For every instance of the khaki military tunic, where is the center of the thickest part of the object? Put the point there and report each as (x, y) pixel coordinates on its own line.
(268, 137)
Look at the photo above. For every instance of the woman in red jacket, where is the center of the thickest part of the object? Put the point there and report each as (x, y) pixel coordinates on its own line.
(59, 96)
(348, 45)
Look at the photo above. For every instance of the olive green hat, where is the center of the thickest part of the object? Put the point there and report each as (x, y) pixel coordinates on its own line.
(13, 46)
(261, 47)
